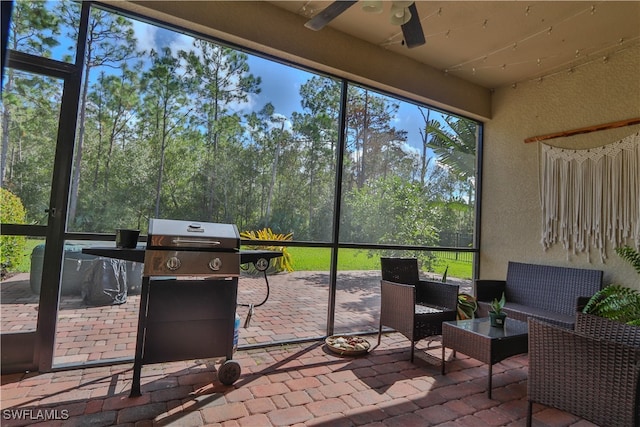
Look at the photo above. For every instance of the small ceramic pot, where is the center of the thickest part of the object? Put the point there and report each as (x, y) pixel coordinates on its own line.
(497, 320)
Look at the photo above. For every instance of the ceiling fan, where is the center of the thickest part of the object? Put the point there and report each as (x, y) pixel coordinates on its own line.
(403, 13)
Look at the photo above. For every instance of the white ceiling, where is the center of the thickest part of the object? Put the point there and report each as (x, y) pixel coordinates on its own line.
(497, 43)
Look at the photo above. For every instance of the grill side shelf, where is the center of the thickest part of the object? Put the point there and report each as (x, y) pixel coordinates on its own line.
(137, 254)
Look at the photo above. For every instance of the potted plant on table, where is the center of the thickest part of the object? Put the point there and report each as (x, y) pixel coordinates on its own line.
(496, 314)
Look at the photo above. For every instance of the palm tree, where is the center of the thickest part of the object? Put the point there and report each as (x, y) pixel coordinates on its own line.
(455, 146)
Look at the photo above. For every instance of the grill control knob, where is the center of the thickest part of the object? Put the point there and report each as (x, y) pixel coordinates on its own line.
(173, 263)
(215, 264)
(262, 264)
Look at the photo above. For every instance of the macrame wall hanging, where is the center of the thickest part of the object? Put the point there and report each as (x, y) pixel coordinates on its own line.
(591, 197)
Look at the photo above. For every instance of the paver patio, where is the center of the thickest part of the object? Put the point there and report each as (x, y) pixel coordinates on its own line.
(292, 385)
(281, 385)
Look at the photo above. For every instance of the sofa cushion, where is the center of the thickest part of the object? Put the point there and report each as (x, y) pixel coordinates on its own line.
(523, 312)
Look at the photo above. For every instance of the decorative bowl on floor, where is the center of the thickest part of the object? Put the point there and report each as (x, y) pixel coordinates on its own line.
(347, 345)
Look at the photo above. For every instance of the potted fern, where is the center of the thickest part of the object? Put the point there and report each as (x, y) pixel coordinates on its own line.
(618, 302)
(496, 314)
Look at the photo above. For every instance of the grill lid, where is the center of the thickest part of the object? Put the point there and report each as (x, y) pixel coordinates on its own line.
(192, 235)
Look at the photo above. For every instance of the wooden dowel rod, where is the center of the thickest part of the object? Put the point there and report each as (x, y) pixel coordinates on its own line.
(587, 129)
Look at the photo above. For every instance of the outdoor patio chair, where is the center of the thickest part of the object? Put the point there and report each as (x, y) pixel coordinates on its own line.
(592, 371)
(415, 308)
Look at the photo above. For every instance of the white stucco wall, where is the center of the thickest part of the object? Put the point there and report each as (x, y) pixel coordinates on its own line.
(596, 93)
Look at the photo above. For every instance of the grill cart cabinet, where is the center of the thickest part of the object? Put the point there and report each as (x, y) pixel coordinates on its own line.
(185, 320)
(189, 320)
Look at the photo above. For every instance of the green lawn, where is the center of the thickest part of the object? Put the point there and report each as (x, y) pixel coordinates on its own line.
(25, 263)
(310, 259)
(318, 259)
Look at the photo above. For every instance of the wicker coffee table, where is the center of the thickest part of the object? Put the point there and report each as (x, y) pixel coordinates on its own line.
(478, 339)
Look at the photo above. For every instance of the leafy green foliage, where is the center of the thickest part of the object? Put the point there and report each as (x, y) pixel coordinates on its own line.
(177, 132)
(454, 144)
(498, 304)
(110, 43)
(391, 210)
(616, 302)
(467, 306)
(283, 263)
(34, 28)
(11, 247)
(631, 255)
(444, 275)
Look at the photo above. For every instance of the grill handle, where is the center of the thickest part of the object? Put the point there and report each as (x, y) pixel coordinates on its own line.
(177, 242)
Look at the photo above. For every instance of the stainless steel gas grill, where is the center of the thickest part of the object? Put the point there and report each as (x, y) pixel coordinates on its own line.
(189, 295)
(183, 248)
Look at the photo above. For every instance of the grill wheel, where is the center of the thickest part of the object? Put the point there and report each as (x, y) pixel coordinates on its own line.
(229, 372)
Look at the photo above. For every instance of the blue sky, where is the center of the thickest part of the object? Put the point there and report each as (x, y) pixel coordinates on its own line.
(280, 83)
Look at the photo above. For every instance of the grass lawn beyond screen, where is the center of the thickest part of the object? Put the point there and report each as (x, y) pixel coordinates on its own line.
(319, 259)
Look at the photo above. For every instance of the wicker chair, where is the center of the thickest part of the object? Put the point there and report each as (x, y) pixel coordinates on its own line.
(415, 308)
(592, 372)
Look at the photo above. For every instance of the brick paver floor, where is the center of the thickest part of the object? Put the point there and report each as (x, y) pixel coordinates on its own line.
(290, 385)
(296, 308)
(280, 385)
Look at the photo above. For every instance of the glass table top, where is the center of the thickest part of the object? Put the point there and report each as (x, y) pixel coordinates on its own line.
(482, 326)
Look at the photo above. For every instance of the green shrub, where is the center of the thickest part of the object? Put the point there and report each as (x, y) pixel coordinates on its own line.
(11, 247)
(279, 264)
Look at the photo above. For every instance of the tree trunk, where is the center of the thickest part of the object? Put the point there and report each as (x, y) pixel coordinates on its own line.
(77, 163)
(365, 135)
(425, 141)
(163, 148)
(274, 173)
(6, 120)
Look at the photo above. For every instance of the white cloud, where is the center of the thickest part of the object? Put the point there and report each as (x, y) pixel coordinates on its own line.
(411, 150)
(182, 42)
(145, 34)
(280, 118)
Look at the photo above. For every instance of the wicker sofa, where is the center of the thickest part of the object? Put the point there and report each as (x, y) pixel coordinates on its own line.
(592, 371)
(541, 291)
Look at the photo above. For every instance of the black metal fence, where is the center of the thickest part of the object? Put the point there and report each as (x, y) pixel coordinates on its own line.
(450, 239)
(457, 256)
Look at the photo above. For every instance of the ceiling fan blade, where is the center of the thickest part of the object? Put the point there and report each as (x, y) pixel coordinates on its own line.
(412, 30)
(328, 14)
